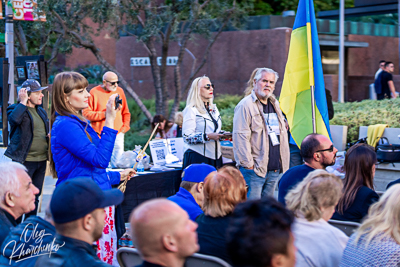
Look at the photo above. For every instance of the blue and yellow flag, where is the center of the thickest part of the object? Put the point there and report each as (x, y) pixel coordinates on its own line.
(303, 70)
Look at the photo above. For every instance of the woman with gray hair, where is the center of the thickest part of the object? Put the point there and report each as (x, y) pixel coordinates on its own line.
(313, 202)
(201, 125)
(377, 241)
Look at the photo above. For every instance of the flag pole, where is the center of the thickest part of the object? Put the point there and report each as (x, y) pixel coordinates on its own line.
(310, 63)
(312, 88)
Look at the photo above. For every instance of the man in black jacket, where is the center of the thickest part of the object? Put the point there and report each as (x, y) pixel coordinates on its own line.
(29, 133)
(77, 206)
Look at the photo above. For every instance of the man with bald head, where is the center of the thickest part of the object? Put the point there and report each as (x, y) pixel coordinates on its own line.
(96, 111)
(163, 233)
(318, 152)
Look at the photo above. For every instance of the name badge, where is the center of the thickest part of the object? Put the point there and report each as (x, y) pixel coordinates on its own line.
(273, 138)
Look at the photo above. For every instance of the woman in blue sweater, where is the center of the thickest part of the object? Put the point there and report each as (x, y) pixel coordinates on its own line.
(77, 150)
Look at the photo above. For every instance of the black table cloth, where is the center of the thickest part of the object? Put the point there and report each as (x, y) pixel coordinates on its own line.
(149, 186)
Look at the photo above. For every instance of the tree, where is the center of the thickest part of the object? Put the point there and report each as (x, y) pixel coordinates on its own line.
(67, 25)
(161, 23)
(154, 23)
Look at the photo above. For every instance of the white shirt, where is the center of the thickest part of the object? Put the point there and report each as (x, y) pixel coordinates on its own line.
(195, 125)
(318, 243)
(377, 73)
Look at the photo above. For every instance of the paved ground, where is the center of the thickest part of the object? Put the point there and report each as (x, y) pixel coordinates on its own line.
(48, 188)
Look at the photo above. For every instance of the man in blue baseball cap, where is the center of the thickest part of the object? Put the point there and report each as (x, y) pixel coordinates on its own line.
(190, 195)
(77, 207)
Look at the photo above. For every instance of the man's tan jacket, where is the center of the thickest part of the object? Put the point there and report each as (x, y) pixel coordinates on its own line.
(250, 135)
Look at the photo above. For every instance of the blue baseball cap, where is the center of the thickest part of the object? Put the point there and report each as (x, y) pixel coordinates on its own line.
(196, 173)
(77, 197)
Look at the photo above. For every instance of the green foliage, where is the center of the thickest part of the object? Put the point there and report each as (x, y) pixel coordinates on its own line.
(227, 101)
(93, 73)
(364, 113)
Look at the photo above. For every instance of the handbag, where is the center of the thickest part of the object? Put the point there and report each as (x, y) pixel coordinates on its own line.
(359, 141)
(387, 153)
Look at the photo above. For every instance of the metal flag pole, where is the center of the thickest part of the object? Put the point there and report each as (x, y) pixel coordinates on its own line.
(341, 53)
(310, 64)
(9, 36)
(312, 88)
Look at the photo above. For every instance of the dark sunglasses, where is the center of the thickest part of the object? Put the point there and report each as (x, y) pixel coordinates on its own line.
(113, 83)
(208, 86)
(330, 149)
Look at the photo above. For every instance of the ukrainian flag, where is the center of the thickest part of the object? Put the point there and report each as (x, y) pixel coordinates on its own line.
(304, 71)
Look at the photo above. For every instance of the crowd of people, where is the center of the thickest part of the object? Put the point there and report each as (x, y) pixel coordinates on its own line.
(229, 212)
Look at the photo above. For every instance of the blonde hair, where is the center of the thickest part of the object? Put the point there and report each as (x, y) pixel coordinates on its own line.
(256, 74)
(223, 190)
(179, 118)
(383, 218)
(319, 189)
(194, 98)
(250, 83)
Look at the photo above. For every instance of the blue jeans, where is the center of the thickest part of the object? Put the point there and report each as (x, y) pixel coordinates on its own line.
(260, 186)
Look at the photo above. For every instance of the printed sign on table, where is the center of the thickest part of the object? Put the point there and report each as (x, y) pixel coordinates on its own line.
(161, 147)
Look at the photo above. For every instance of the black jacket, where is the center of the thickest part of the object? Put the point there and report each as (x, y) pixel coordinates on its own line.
(33, 233)
(365, 197)
(73, 253)
(7, 222)
(21, 130)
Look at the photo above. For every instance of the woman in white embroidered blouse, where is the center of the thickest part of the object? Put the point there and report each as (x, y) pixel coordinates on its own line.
(313, 202)
(201, 125)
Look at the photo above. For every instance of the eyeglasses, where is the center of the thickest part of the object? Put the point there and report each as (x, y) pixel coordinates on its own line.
(330, 149)
(113, 83)
(208, 86)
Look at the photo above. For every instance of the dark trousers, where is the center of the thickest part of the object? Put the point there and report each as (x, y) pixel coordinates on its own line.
(36, 170)
(191, 157)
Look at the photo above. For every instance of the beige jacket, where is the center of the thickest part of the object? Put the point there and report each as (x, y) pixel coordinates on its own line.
(250, 135)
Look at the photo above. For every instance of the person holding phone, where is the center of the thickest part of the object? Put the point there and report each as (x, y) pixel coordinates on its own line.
(96, 112)
(201, 125)
(29, 129)
(77, 150)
